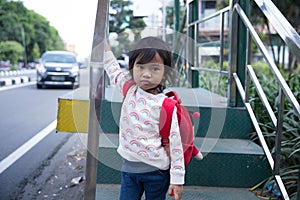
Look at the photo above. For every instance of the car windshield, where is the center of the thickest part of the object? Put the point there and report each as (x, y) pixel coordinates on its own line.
(60, 58)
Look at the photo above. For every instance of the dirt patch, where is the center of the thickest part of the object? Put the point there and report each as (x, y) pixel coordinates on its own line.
(64, 177)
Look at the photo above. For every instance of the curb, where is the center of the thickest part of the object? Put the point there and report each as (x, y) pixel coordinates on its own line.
(14, 80)
(8, 78)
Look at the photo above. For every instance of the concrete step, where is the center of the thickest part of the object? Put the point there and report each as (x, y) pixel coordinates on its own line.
(214, 122)
(227, 163)
(216, 119)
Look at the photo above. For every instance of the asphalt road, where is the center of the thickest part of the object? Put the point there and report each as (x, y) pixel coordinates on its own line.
(47, 169)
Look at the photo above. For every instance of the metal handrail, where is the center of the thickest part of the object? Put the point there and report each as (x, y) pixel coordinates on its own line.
(210, 70)
(287, 33)
(260, 136)
(220, 14)
(287, 91)
(292, 39)
(284, 89)
(216, 14)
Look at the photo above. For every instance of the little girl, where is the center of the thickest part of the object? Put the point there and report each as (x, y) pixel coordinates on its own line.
(146, 168)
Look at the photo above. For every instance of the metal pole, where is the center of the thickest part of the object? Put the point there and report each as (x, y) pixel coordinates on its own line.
(164, 15)
(95, 94)
(237, 54)
(298, 187)
(176, 39)
(242, 54)
(279, 133)
(176, 15)
(222, 35)
(233, 34)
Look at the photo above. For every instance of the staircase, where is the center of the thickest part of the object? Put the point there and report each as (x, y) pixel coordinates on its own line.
(231, 159)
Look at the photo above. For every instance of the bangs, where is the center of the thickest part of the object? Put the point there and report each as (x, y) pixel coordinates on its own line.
(145, 51)
(145, 55)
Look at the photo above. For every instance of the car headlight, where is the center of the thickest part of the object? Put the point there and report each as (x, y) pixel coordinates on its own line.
(40, 68)
(75, 70)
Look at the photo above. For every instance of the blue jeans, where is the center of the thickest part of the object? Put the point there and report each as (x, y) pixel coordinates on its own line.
(155, 184)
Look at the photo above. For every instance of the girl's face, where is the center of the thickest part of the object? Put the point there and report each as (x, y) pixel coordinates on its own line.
(148, 76)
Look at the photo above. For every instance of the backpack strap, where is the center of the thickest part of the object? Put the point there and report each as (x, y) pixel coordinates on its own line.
(166, 119)
(165, 122)
(174, 95)
(126, 86)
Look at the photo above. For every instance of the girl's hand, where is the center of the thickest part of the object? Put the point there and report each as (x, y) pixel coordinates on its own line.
(176, 191)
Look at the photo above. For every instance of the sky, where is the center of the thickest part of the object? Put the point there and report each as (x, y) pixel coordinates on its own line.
(75, 19)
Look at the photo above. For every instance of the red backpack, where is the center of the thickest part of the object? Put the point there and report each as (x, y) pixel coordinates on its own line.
(185, 126)
(184, 120)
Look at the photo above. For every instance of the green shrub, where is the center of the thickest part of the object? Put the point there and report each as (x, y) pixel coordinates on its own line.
(216, 83)
(290, 150)
(261, 67)
(11, 50)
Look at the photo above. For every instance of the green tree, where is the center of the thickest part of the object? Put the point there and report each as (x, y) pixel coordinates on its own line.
(222, 4)
(292, 14)
(35, 51)
(122, 22)
(15, 18)
(12, 51)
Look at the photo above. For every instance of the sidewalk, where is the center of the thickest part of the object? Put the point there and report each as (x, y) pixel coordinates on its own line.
(111, 192)
(63, 179)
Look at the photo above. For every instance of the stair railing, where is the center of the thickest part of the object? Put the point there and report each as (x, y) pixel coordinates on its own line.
(240, 71)
(221, 14)
(192, 63)
(292, 39)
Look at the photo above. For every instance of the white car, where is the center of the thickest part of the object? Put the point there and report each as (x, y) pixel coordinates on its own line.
(58, 68)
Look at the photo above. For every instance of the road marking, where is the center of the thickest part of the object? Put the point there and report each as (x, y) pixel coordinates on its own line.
(3, 88)
(13, 157)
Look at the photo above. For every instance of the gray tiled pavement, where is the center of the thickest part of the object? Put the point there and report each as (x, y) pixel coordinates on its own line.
(111, 192)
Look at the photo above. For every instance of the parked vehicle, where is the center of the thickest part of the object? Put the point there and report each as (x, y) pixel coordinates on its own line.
(5, 65)
(58, 68)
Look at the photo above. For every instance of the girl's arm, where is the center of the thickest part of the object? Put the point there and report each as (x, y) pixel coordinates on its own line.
(116, 76)
(177, 169)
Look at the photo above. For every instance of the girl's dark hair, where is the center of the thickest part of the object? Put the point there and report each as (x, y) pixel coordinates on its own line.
(145, 51)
